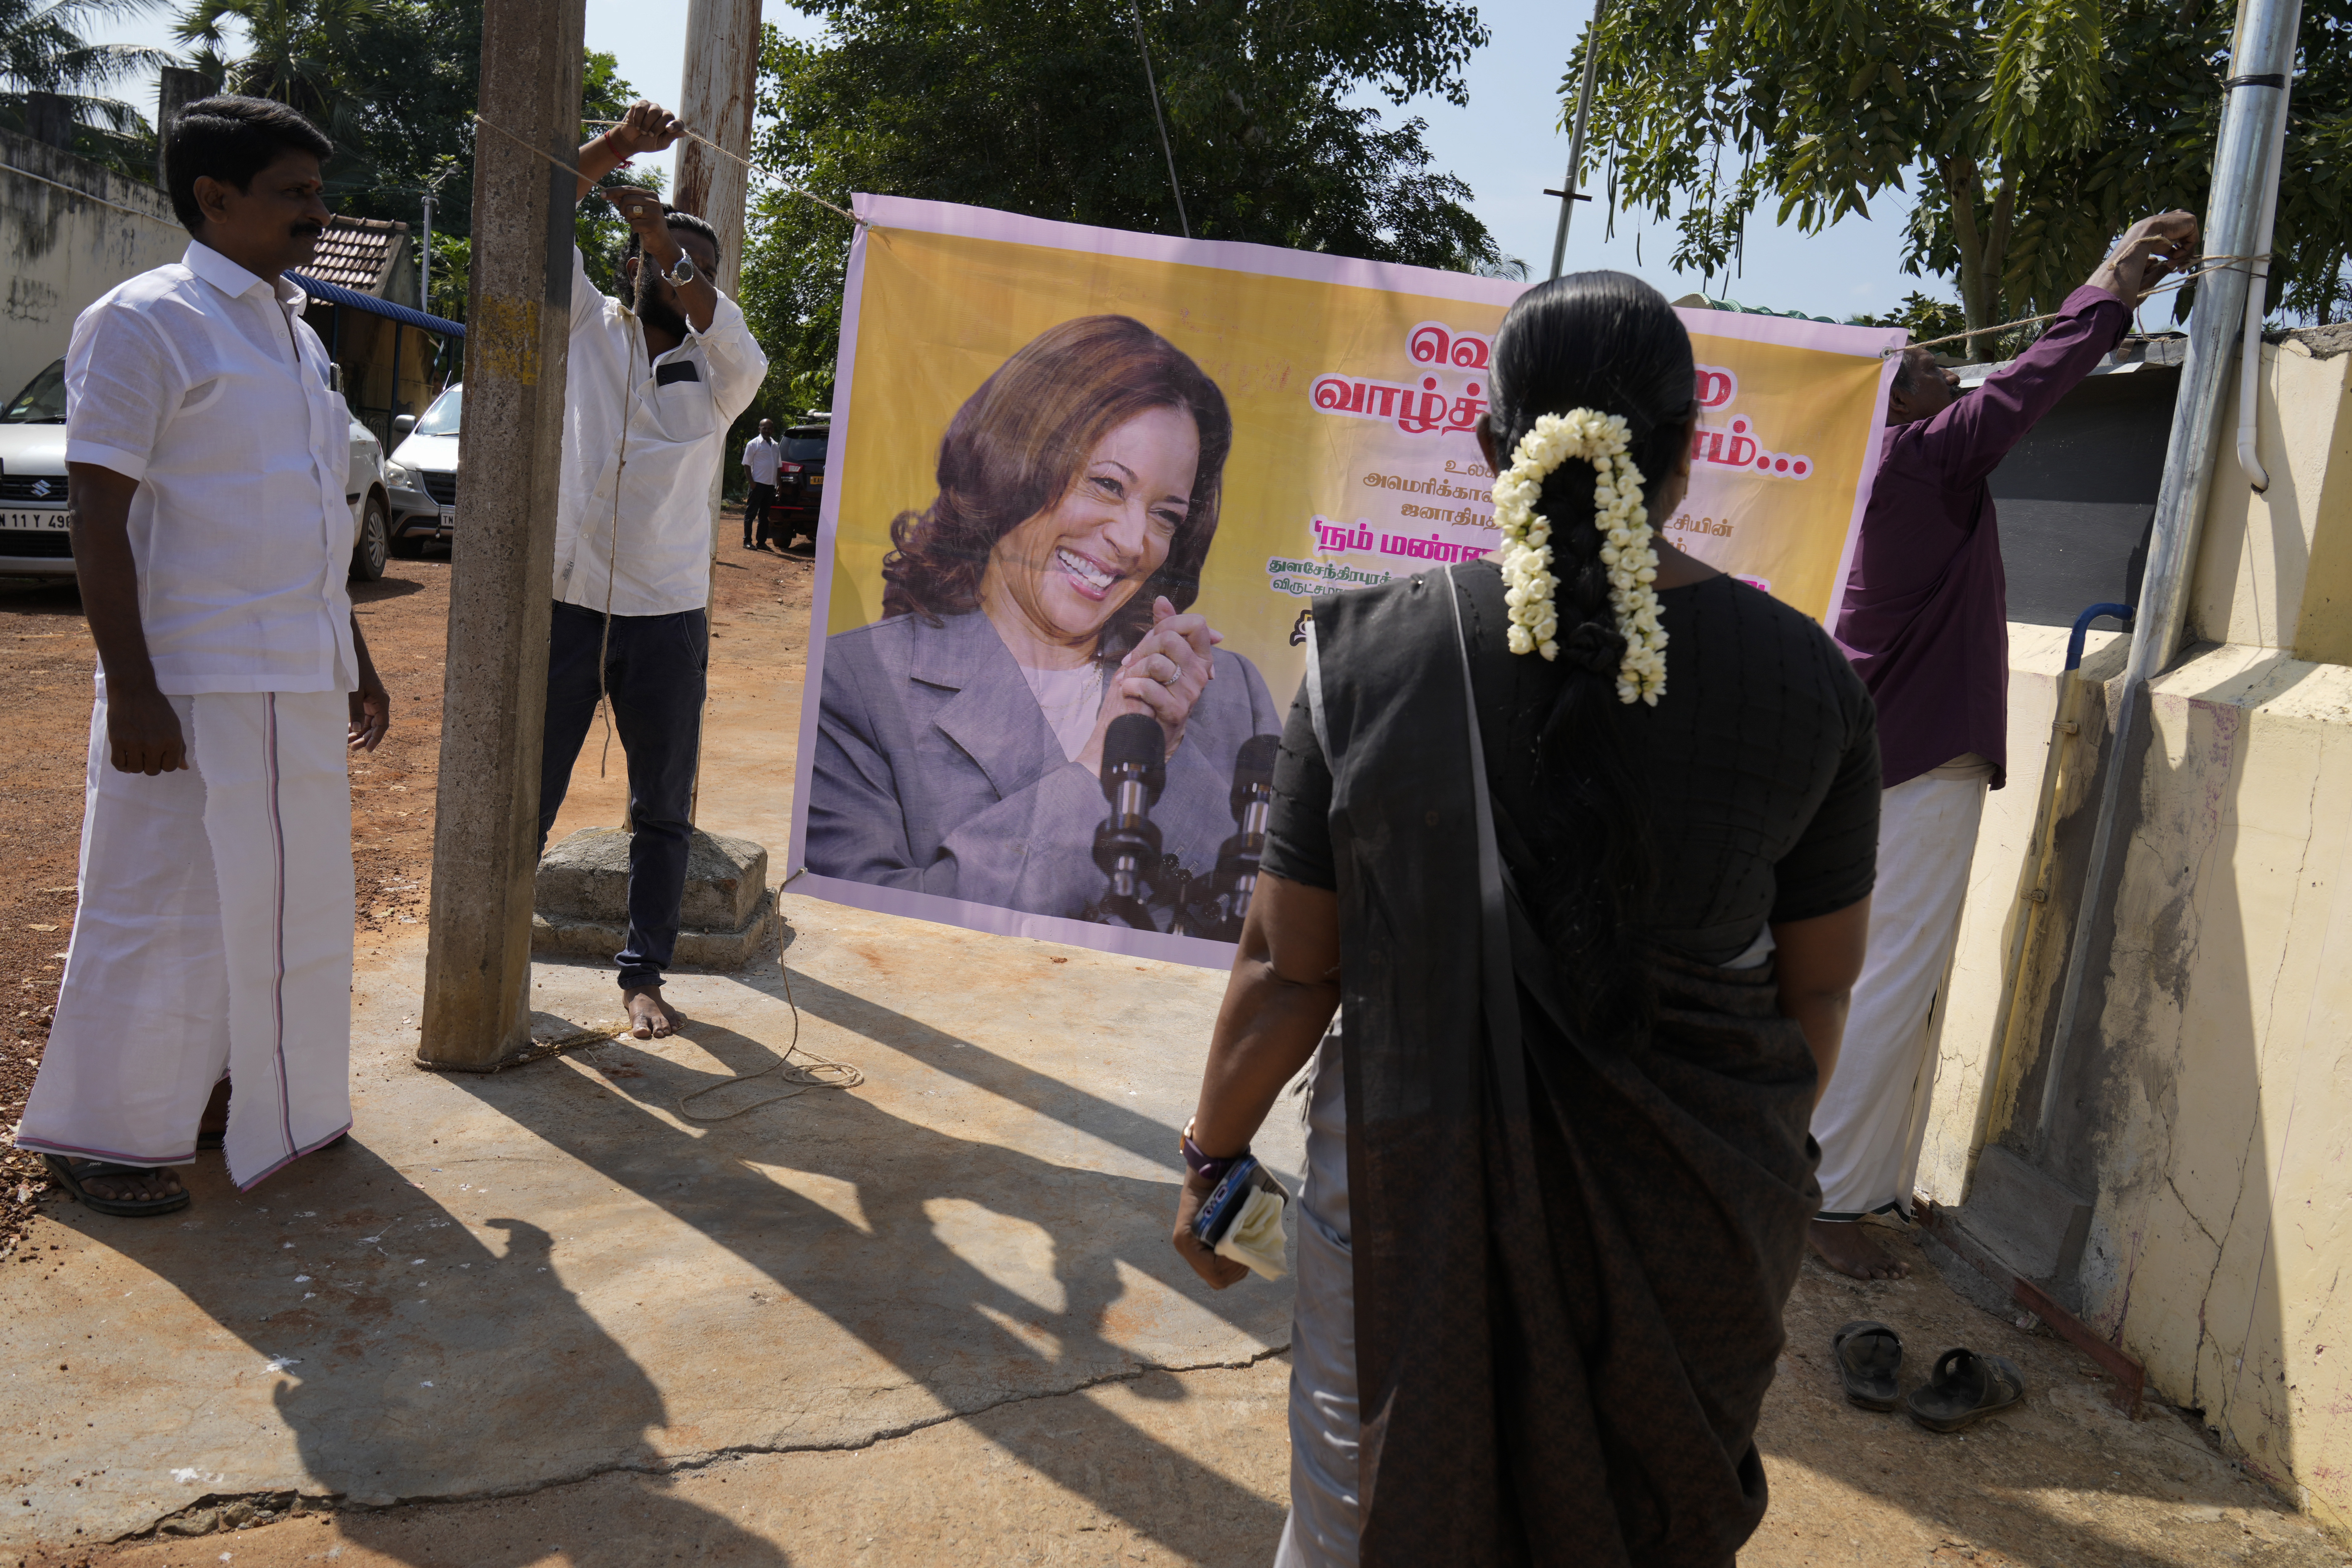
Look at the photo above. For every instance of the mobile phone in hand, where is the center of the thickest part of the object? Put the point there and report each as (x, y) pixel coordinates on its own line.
(1225, 1202)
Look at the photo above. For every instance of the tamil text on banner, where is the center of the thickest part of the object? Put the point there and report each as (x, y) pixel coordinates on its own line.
(1790, 413)
(1047, 436)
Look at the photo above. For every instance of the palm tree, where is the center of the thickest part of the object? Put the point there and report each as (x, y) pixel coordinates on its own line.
(293, 48)
(51, 73)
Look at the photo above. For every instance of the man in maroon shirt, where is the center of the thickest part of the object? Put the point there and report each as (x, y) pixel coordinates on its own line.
(1926, 623)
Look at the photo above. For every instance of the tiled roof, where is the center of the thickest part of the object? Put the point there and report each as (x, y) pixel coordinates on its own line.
(357, 253)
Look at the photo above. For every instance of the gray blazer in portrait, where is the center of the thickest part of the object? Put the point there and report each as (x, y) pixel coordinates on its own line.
(936, 771)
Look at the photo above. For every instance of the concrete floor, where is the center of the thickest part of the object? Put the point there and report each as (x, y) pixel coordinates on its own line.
(934, 1318)
(501, 1282)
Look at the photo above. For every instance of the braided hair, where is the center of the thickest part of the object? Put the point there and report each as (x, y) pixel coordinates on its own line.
(1607, 342)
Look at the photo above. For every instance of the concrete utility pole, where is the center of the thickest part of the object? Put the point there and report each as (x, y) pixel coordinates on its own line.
(2262, 57)
(175, 88)
(494, 699)
(715, 100)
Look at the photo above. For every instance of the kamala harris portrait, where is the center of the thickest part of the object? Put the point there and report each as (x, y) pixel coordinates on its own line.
(1046, 591)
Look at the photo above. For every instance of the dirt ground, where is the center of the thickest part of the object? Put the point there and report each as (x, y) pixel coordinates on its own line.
(2066, 1482)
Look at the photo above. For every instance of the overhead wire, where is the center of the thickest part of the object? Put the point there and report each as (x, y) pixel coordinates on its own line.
(2178, 280)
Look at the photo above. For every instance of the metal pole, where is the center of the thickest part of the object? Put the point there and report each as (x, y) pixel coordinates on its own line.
(2261, 58)
(2250, 349)
(425, 259)
(511, 451)
(1160, 119)
(1576, 137)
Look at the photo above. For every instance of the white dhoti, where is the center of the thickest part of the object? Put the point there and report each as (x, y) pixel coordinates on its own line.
(1873, 1117)
(1324, 1423)
(214, 932)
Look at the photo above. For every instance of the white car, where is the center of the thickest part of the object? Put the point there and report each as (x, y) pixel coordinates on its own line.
(33, 538)
(423, 473)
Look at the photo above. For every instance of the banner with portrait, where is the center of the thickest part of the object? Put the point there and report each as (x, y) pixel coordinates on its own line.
(1062, 457)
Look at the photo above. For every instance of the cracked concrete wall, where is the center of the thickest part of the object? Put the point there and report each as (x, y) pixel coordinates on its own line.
(2206, 1105)
(2222, 1224)
(62, 251)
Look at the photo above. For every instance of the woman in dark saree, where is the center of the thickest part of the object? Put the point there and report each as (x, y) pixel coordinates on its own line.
(1593, 915)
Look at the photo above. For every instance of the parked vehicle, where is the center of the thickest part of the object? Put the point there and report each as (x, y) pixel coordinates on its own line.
(800, 480)
(422, 478)
(34, 541)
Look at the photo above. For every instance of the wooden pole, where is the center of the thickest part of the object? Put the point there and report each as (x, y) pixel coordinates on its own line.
(511, 449)
(715, 100)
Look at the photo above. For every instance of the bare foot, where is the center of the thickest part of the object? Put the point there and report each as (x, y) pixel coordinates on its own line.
(134, 1187)
(649, 1017)
(1842, 1246)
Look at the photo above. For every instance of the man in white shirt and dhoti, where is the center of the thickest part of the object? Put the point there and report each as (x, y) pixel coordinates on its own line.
(653, 386)
(211, 947)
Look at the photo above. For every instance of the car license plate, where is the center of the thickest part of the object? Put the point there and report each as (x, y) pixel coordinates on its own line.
(448, 518)
(817, 481)
(56, 520)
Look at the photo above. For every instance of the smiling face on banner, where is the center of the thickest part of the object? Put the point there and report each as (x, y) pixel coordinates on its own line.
(1070, 567)
(1077, 473)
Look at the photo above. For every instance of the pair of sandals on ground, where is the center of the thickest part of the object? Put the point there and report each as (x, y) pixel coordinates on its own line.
(1963, 1389)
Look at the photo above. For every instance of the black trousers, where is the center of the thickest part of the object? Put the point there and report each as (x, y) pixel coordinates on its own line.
(655, 669)
(755, 514)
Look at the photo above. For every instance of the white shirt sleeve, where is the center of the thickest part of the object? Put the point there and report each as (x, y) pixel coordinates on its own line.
(587, 300)
(123, 382)
(737, 366)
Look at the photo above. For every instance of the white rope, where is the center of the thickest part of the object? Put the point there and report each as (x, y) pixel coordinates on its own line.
(819, 1072)
(573, 170)
(2180, 280)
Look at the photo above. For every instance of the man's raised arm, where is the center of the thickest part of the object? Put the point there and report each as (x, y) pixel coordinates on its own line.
(646, 127)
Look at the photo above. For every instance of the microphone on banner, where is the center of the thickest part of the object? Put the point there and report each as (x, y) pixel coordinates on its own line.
(1126, 845)
(1219, 916)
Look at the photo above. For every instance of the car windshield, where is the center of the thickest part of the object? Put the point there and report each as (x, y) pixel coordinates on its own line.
(804, 448)
(441, 419)
(41, 403)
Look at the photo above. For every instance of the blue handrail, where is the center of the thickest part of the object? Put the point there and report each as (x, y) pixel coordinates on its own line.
(2122, 613)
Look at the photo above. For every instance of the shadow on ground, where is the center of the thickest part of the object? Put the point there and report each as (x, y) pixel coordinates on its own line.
(985, 1275)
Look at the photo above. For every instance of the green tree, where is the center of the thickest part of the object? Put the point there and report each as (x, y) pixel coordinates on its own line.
(394, 82)
(2034, 129)
(295, 50)
(1040, 107)
(44, 56)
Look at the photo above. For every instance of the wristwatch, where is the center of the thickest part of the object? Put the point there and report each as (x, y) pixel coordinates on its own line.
(1202, 1165)
(682, 273)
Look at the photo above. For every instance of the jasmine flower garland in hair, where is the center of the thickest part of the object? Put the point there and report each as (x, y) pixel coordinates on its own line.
(1626, 545)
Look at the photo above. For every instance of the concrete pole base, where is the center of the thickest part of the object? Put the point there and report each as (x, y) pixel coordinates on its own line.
(727, 918)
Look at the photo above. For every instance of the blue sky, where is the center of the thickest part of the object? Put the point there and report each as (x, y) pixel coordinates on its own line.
(1506, 143)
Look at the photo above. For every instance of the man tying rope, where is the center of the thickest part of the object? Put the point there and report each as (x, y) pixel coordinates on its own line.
(653, 386)
(1926, 624)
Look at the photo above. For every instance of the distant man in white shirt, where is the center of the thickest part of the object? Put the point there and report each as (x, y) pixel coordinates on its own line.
(207, 458)
(763, 456)
(653, 386)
